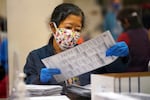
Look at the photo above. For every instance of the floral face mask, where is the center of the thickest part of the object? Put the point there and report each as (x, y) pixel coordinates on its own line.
(66, 38)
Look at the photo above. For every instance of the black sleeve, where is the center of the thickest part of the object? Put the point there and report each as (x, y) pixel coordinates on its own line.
(33, 67)
(31, 70)
(118, 66)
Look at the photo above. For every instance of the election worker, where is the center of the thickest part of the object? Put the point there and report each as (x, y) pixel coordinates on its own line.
(67, 19)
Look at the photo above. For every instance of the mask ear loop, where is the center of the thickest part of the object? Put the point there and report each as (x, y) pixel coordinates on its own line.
(53, 27)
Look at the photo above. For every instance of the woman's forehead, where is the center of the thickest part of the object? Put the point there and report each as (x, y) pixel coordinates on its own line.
(73, 20)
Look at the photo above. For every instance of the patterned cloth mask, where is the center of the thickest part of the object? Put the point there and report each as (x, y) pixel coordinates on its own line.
(66, 38)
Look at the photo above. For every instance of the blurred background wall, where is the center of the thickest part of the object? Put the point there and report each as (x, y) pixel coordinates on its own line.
(27, 29)
(3, 8)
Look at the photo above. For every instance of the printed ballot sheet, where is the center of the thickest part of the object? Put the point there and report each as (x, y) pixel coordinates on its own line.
(83, 58)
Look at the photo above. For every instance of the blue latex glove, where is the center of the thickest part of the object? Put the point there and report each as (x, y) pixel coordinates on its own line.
(119, 49)
(47, 74)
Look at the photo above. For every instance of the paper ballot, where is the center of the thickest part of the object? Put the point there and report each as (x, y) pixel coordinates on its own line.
(44, 90)
(83, 58)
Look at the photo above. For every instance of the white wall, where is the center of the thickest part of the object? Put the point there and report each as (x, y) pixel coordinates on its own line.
(27, 28)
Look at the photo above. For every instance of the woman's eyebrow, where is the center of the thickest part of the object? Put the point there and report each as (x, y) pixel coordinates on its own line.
(68, 23)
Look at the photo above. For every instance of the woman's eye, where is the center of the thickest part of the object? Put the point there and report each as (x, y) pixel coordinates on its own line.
(68, 27)
(78, 30)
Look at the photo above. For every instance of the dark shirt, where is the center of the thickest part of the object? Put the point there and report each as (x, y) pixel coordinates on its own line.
(139, 47)
(34, 65)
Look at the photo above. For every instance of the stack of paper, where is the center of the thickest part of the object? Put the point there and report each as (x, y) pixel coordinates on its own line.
(50, 98)
(44, 90)
(112, 96)
(84, 91)
(141, 96)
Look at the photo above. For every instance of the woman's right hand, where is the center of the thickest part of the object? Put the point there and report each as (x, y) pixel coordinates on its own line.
(47, 74)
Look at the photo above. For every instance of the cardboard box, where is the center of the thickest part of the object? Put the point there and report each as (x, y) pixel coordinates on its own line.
(137, 82)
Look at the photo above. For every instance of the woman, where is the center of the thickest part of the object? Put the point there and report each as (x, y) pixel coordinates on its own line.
(136, 37)
(67, 18)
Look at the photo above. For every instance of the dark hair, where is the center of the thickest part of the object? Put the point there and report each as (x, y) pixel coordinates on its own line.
(146, 17)
(132, 15)
(62, 11)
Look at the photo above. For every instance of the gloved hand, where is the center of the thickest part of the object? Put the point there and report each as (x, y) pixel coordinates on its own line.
(47, 74)
(119, 49)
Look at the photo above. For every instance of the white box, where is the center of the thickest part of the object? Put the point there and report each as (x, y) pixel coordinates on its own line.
(136, 82)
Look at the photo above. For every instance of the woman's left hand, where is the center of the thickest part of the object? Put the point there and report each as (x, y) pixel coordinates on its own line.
(119, 49)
